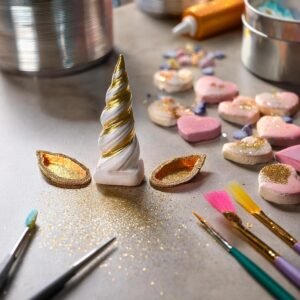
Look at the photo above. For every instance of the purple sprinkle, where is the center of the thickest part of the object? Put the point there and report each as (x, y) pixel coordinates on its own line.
(170, 54)
(164, 67)
(219, 55)
(287, 119)
(198, 48)
(240, 134)
(208, 60)
(200, 109)
(208, 71)
(247, 129)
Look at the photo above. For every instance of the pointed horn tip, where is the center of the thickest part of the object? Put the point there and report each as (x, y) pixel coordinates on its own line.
(120, 63)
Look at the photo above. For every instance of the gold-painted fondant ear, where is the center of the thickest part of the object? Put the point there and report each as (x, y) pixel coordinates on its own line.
(177, 171)
(63, 171)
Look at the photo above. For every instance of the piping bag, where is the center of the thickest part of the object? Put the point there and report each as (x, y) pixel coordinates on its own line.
(210, 18)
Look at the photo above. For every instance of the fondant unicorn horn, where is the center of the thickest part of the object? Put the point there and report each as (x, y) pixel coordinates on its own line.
(119, 163)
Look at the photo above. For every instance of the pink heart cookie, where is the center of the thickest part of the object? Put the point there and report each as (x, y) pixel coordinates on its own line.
(279, 183)
(211, 89)
(290, 156)
(277, 132)
(280, 104)
(195, 129)
(242, 110)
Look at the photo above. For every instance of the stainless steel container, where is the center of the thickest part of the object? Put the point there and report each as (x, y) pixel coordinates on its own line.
(53, 37)
(270, 58)
(165, 7)
(288, 30)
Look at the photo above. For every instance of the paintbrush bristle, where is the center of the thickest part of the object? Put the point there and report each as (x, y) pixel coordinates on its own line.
(220, 200)
(203, 221)
(241, 196)
(31, 219)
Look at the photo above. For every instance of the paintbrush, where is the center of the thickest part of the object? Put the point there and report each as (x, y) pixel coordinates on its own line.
(266, 281)
(11, 258)
(221, 201)
(59, 283)
(241, 196)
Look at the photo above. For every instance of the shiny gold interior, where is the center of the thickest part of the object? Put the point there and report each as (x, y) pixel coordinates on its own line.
(177, 171)
(63, 171)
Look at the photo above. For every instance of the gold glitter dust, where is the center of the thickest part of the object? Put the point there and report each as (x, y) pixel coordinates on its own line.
(257, 143)
(249, 225)
(76, 221)
(152, 283)
(161, 293)
(276, 173)
(207, 245)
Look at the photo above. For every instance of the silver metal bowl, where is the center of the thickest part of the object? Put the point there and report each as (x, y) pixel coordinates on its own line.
(270, 58)
(283, 29)
(165, 7)
(53, 37)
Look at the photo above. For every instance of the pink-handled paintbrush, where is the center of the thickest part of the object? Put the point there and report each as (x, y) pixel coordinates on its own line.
(221, 201)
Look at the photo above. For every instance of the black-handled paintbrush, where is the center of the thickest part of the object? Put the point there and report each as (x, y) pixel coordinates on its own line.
(11, 258)
(58, 284)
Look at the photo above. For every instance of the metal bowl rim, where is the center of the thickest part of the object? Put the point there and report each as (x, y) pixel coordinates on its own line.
(256, 11)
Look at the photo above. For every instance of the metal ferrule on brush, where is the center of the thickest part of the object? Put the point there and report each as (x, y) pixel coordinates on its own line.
(217, 237)
(275, 228)
(258, 244)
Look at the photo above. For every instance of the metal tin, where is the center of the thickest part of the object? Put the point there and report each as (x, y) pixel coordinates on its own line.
(269, 58)
(53, 37)
(283, 29)
(165, 7)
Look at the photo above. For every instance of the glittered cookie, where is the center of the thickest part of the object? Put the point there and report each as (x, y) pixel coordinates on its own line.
(242, 110)
(280, 104)
(211, 89)
(279, 183)
(277, 132)
(172, 81)
(166, 111)
(249, 151)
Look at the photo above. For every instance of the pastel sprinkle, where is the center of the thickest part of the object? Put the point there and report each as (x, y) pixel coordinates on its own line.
(287, 119)
(239, 134)
(170, 54)
(219, 55)
(200, 109)
(208, 71)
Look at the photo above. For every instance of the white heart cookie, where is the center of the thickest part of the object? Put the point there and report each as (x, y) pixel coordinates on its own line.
(280, 104)
(166, 111)
(279, 183)
(173, 81)
(249, 151)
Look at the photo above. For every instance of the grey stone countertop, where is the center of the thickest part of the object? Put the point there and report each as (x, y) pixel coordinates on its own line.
(161, 253)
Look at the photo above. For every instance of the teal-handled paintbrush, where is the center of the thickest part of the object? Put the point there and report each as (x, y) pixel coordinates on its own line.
(10, 259)
(266, 281)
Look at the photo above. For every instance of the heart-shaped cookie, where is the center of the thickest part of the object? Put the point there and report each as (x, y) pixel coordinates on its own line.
(280, 104)
(277, 132)
(290, 156)
(173, 81)
(279, 183)
(249, 151)
(166, 111)
(242, 110)
(196, 129)
(211, 89)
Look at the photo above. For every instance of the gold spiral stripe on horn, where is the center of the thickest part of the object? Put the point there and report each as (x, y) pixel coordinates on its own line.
(119, 147)
(120, 120)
